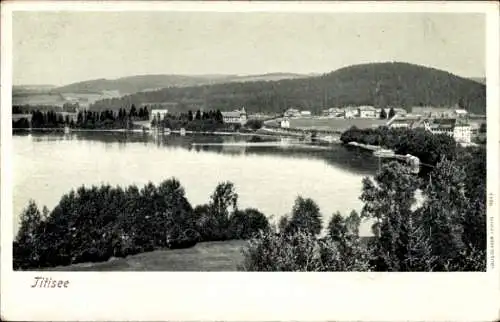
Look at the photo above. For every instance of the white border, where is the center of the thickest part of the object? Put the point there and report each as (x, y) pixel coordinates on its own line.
(254, 296)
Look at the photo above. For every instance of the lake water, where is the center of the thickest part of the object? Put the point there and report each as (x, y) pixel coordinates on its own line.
(267, 176)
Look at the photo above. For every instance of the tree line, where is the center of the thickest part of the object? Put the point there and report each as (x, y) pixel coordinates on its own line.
(85, 119)
(92, 224)
(201, 121)
(428, 147)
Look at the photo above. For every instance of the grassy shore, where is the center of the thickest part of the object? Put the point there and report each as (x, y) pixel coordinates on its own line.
(329, 124)
(205, 256)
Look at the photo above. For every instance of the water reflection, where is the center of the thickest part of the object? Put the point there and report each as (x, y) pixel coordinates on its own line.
(348, 158)
(268, 175)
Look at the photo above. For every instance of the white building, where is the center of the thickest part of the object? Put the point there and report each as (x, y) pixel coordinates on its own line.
(368, 112)
(461, 113)
(292, 112)
(235, 117)
(333, 112)
(159, 114)
(285, 123)
(459, 130)
(462, 133)
(305, 113)
(350, 112)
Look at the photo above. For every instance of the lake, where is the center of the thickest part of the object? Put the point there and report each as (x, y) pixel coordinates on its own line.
(267, 175)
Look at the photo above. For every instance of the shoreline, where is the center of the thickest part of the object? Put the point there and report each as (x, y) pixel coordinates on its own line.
(149, 131)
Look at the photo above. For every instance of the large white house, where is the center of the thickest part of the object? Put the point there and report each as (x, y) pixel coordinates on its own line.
(292, 112)
(235, 117)
(159, 114)
(459, 130)
(462, 133)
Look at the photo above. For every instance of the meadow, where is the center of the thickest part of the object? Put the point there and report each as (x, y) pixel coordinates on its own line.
(330, 124)
(206, 256)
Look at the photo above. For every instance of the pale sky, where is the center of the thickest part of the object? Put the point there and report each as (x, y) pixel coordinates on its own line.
(64, 47)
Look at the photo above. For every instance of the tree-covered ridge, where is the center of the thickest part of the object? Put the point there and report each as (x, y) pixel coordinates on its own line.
(139, 83)
(379, 84)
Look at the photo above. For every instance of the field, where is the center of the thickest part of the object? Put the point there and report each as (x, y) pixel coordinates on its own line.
(57, 99)
(340, 124)
(206, 256)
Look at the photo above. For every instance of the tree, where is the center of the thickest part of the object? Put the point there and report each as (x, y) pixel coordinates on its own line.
(383, 114)
(391, 113)
(223, 202)
(388, 200)
(133, 111)
(305, 217)
(27, 242)
(190, 116)
(198, 115)
(337, 229)
(443, 213)
(247, 223)
(283, 224)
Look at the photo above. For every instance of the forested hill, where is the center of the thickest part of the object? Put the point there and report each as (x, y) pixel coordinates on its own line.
(378, 84)
(134, 84)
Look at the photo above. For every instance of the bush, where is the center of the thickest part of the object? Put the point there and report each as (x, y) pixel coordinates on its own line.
(254, 124)
(297, 251)
(247, 223)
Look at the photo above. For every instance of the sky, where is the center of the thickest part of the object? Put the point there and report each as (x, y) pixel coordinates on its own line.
(59, 48)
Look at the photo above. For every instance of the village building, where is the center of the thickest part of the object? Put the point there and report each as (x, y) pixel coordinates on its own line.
(399, 123)
(69, 112)
(305, 113)
(406, 122)
(351, 112)
(368, 112)
(285, 123)
(158, 109)
(235, 117)
(397, 111)
(433, 112)
(333, 112)
(458, 129)
(461, 113)
(462, 132)
(292, 112)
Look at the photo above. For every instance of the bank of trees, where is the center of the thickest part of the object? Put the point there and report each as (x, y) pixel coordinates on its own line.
(201, 121)
(94, 223)
(428, 147)
(445, 232)
(85, 119)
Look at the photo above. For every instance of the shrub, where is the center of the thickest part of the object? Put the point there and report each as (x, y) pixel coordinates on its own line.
(247, 223)
(297, 251)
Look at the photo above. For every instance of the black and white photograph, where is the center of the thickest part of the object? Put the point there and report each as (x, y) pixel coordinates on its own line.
(214, 141)
(249, 161)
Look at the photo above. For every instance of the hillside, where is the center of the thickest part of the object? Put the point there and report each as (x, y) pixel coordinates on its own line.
(481, 80)
(31, 89)
(134, 84)
(379, 84)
